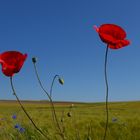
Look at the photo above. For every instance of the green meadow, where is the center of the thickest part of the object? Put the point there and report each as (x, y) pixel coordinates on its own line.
(80, 121)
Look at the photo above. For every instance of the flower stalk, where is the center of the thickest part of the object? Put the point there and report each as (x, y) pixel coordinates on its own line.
(50, 99)
(61, 81)
(106, 82)
(24, 110)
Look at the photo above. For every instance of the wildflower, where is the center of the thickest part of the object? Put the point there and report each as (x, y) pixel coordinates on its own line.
(17, 126)
(12, 62)
(113, 35)
(14, 117)
(22, 130)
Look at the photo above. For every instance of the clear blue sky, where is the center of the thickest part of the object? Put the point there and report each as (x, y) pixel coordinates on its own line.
(60, 34)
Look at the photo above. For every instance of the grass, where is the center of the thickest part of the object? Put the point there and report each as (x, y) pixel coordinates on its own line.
(87, 121)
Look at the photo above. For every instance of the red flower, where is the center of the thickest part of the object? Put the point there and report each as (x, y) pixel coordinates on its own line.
(11, 62)
(113, 35)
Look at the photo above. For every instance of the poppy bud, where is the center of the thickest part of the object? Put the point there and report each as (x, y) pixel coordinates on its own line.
(69, 114)
(34, 59)
(61, 81)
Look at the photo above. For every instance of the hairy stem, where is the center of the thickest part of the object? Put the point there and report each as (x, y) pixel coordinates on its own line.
(14, 93)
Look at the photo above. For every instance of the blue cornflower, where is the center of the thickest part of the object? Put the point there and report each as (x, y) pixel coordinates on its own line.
(17, 126)
(14, 116)
(21, 130)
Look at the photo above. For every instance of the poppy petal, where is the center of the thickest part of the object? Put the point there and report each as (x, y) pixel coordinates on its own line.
(113, 30)
(107, 38)
(113, 35)
(12, 62)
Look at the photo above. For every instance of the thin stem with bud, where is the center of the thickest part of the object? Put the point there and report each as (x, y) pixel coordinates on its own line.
(53, 84)
(51, 102)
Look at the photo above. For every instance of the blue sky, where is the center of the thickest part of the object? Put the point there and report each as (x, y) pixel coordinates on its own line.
(60, 33)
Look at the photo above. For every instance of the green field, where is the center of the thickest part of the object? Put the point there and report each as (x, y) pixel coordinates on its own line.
(87, 121)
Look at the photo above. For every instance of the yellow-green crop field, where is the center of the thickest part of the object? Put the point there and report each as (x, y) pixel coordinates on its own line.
(80, 121)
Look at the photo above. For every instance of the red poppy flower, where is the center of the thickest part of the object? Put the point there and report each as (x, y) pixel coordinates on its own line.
(12, 62)
(113, 35)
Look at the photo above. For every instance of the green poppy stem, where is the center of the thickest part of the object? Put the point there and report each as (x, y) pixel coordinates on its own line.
(106, 82)
(51, 89)
(51, 102)
(53, 84)
(14, 93)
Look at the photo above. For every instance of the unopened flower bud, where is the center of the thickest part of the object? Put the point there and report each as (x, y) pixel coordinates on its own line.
(61, 81)
(34, 59)
(69, 114)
